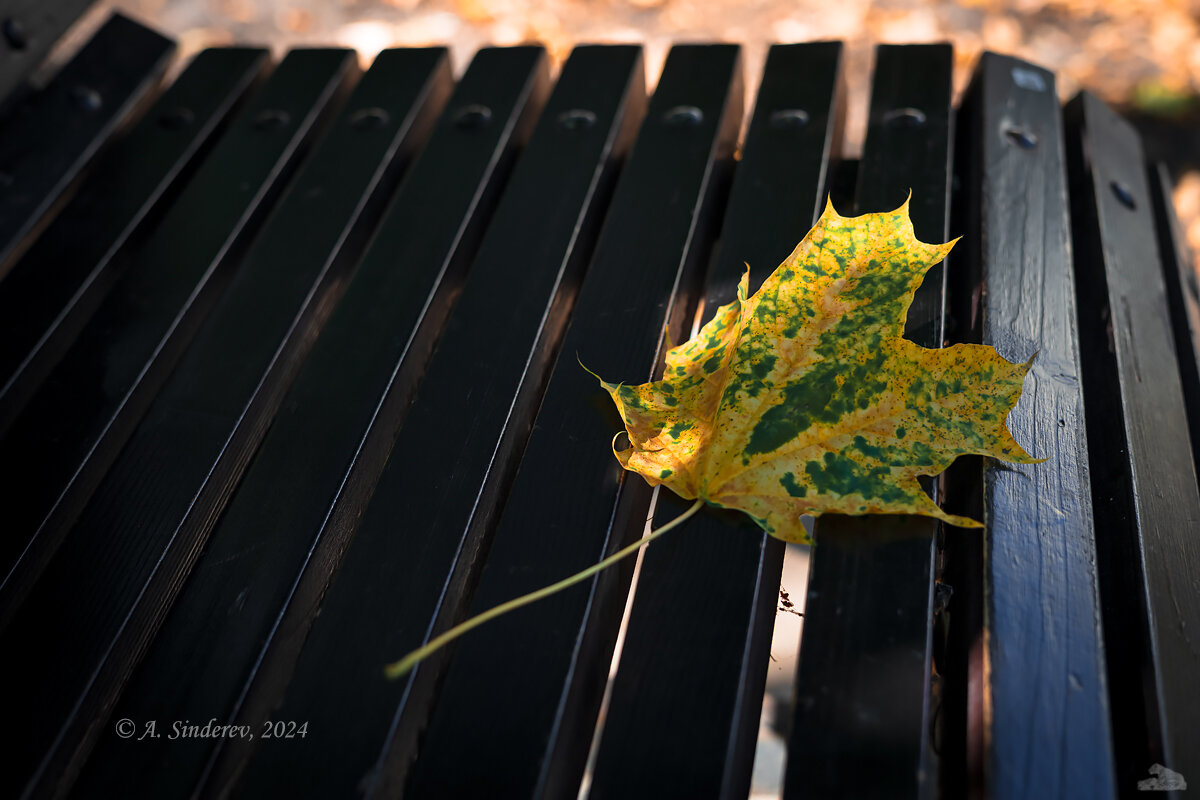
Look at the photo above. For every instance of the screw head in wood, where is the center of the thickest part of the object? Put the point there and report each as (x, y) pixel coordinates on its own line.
(14, 34)
(683, 116)
(473, 117)
(1021, 138)
(786, 118)
(1028, 79)
(272, 119)
(902, 118)
(369, 118)
(86, 98)
(1122, 193)
(577, 119)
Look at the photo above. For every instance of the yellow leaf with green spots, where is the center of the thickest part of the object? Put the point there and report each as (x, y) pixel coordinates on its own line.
(805, 398)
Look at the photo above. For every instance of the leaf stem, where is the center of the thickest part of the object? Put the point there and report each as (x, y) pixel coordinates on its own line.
(399, 668)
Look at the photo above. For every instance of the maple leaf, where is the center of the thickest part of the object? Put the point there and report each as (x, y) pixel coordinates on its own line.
(805, 398)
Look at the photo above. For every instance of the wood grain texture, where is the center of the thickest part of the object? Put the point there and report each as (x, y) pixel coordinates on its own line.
(148, 519)
(235, 492)
(539, 674)
(331, 435)
(75, 596)
(861, 721)
(1147, 505)
(48, 140)
(1042, 613)
(695, 654)
(1183, 296)
(52, 291)
(410, 568)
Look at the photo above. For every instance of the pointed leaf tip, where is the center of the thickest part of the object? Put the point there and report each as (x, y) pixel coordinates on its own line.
(830, 211)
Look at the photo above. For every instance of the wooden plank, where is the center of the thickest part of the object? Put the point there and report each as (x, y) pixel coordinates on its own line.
(28, 30)
(48, 141)
(1040, 593)
(451, 463)
(538, 676)
(1147, 505)
(60, 446)
(332, 433)
(1183, 296)
(56, 286)
(136, 335)
(862, 709)
(696, 648)
(205, 399)
(148, 518)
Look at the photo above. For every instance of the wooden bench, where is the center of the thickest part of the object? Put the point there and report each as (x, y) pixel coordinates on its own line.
(290, 384)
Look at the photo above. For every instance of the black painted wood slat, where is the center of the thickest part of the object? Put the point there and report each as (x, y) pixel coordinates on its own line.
(408, 570)
(1183, 295)
(95, 397)
(137, 538)
(28, 29)
(207, 399)
(1040, 591)
(52, 291)
(48, 141)
(60, 446)
(538, 675)
(1147, 505)
(843, 178)
(332, 432)
(862, 705)
(684, 711)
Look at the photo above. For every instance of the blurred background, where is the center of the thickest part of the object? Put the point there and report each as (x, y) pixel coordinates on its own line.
(1141, 56)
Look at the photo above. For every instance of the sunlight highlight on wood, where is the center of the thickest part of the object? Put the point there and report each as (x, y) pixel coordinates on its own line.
(404, 665)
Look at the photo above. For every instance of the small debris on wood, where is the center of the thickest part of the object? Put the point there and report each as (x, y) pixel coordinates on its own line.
(786, 604)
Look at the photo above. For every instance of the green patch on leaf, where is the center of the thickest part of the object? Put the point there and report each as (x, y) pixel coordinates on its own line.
(806, 398)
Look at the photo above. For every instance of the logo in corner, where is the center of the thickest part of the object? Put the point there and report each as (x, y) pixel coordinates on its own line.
(1164, 780)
